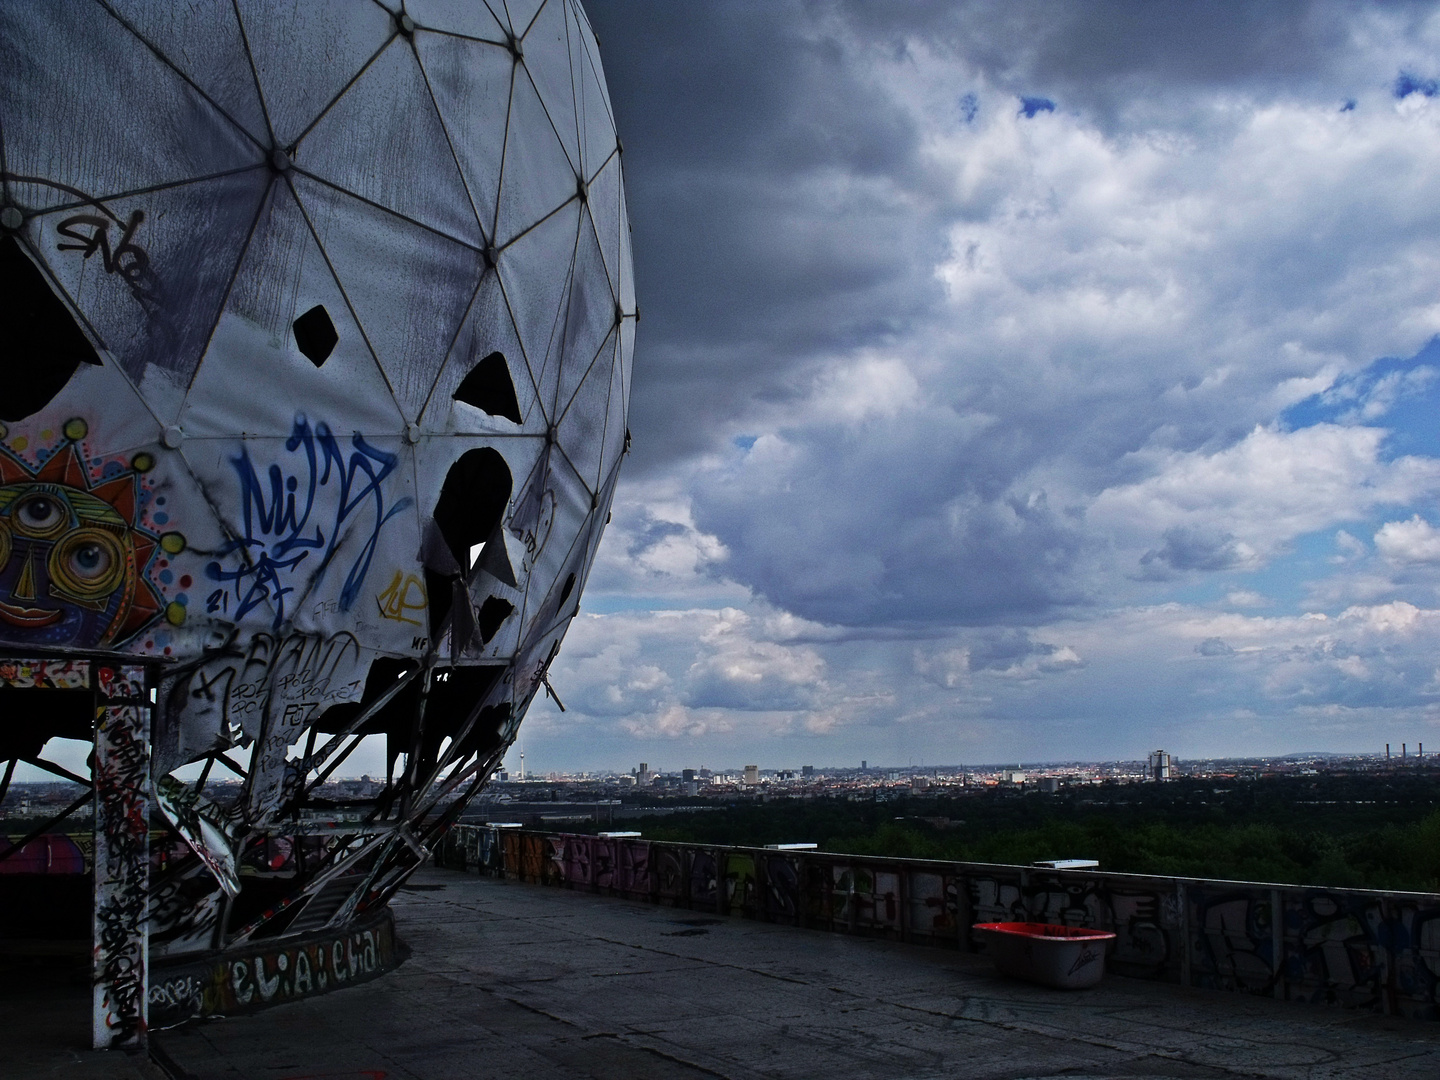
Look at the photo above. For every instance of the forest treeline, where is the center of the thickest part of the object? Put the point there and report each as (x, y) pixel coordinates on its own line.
(1377, 832)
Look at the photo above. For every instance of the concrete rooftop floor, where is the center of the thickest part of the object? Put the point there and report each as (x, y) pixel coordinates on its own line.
(512, 980)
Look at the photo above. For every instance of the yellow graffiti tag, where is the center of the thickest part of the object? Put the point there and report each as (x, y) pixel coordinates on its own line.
(405, 593)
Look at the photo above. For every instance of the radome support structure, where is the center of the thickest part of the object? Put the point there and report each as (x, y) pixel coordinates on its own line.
(318, 323)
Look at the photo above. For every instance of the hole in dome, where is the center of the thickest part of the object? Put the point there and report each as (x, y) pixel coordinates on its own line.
(395, 715)
(451, 703)
(472, 500)
(567, 590)
(43, 341)
(493, 612)
(315, 335)
(469, 513)
(489, 388)
(34, 717)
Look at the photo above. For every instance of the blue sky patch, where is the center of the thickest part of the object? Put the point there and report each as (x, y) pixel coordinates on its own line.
(1285, 582)
(1400, 394)
(1284, 579)
(1407, 84)
(1029, 106)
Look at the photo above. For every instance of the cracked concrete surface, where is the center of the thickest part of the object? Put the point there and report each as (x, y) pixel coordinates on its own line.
(516, 980)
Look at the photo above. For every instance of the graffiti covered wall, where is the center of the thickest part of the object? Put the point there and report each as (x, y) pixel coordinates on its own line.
(1356, 948)
(270, 973)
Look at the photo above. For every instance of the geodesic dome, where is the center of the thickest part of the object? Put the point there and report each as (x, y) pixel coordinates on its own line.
(319, 325)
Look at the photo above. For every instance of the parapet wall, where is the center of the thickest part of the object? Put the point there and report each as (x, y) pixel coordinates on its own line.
(273, 972)
(1362, 949)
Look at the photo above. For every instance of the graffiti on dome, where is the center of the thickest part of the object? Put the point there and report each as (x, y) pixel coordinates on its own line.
(295, 515)
(90, 233)
(82, 559)
(403, 599)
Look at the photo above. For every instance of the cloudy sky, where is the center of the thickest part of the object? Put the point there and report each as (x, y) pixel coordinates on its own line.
(1019, 382)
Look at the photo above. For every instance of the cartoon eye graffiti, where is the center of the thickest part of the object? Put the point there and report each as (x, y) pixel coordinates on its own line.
(88, 564)
(40, 515)
(74, 552)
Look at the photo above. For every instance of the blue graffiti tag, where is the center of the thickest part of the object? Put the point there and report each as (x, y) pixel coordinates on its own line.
(279, 537)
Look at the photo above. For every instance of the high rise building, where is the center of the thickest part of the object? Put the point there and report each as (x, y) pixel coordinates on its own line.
(752, 775)
(1159, 765)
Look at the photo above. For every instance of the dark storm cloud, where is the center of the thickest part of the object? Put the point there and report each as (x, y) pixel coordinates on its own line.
(1122, 56)
(1007, 650)
(1407, 83)
(898, 532)
(780, 204)
(749, 261)
(1214, 646)
(1193, 549)
(1133, 279)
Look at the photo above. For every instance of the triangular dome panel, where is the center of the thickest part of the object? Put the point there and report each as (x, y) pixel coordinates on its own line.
(590, 315)
(613, 443)
(471, 84)
(627, 265)
(409, 287)
(202, 38)
(283, 278)
(284, 42)
(384, 142)
(63, 58)
(581, 428)
(467, 18)
(535, 273)
(151, 271)
(626, 358)
(537, 178)
(519, 13)
(352, 593)
(547, 59)
(487, 329)
(597, 123)
(233, 581)
(605, 211)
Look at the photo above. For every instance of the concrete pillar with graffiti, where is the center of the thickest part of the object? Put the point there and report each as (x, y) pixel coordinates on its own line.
(122, 857)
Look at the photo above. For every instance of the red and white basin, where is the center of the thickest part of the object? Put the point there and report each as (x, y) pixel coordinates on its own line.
(1065, 957)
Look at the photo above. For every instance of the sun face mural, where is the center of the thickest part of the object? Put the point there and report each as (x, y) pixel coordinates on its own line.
(75, 559)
